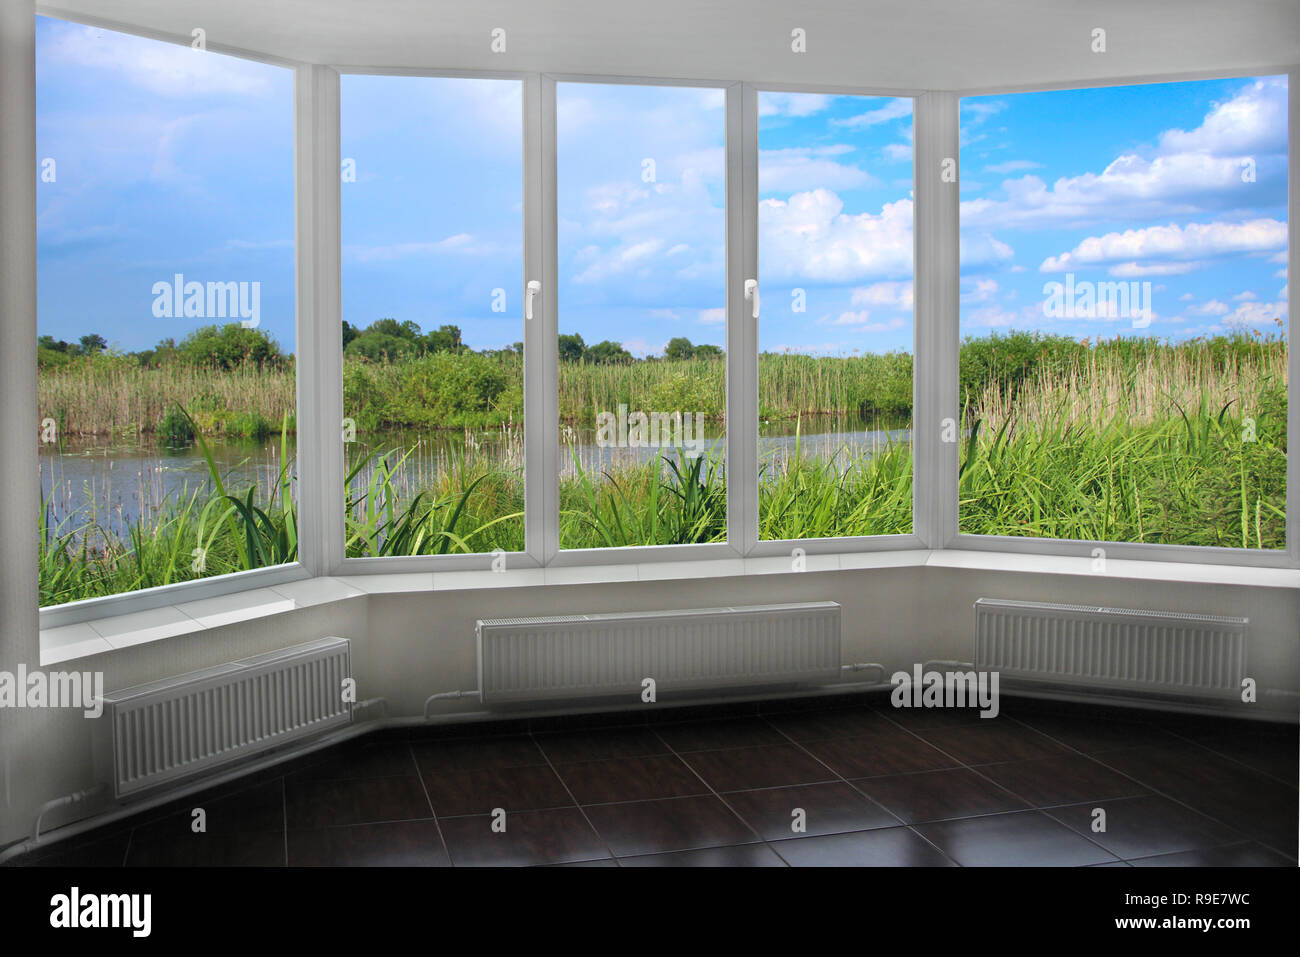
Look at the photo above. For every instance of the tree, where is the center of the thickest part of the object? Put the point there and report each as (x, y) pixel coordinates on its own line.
(229, 346)
(679, 347)
(708, 351)
(350, 332)
(92, 344)
(572, 348)
(608, 353)
(444, 339)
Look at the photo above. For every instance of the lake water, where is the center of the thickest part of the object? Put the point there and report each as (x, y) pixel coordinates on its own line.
(113, 482)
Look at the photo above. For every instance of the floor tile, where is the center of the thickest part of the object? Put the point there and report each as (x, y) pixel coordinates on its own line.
(630, 779)
(1065, 780)
(827, 809)
(107, 851)
(939, 795)
(1017, 839)
(649, 827)
(214, 849)
(775, 765)
(715, 735)
(312, 804)
(820, 725)
(362, 758)
(1145, 826)
(480, 792)
(556, 836)
(397, 844)
(600, 744)
(744, 855)
(472, 754)
(891, 751)
(257, 808)
(886, 847)
(1093, 736)
(996, 740)
(1236, 855)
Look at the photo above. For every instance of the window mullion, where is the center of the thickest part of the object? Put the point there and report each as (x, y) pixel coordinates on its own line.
(319, 363)
(742, 328)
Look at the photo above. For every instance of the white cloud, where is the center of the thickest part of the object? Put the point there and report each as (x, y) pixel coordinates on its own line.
(460, 243)
(1211, 308)
(1255, 315)
(1143, 270)
(1172, 243)
(892, 110)
(1253, 121)
(891, 293)
(1189, 172)
(713, 317)
(804, 168)
(811, 237)
(897, 152)
(1244, 296)
(981, 290)
(861, 321)
(792, 104)
(1186, 297)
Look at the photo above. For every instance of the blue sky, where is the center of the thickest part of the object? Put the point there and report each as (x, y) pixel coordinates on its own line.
(1137, 184)
(169, 160)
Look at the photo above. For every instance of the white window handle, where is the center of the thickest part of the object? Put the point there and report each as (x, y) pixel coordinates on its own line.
(533, 288)
(751, 292)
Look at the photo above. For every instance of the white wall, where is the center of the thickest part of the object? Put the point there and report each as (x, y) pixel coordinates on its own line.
(896, 44)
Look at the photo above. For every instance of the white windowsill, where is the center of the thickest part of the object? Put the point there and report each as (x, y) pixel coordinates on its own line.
(104, 635)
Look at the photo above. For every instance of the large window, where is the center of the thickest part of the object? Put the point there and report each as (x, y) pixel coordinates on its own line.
(165, 249)
(642, 257)
(835, 327)
(1124, 314)
(433, 306)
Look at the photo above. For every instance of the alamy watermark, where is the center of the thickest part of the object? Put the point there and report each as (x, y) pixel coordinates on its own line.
(650, 430)
(1085, 299)
(946, 689)
(58, 689)
(179, 299)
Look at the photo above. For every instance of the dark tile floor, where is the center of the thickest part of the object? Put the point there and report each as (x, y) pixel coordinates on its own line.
(843, 782)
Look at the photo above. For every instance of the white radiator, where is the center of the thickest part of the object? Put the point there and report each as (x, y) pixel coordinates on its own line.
(1161, 651)
(588, 656)
(155, 733)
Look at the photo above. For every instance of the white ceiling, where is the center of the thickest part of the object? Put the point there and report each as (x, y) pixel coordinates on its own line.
(886, 44)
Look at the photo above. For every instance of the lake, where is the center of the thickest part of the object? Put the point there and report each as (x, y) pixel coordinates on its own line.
(114, 481)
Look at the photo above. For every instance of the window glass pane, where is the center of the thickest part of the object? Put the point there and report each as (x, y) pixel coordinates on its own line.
(165, 268)
(433, 369)
(835, 332)
(1124, 314)
(642, 260)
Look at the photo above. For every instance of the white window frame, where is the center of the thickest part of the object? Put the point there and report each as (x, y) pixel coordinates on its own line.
(936, 335)
(311, 541)
(1289, 555)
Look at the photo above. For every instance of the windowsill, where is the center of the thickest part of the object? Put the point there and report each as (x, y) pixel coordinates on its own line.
(118, 632)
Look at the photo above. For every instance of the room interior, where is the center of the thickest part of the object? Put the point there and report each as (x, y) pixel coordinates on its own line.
(719, 685)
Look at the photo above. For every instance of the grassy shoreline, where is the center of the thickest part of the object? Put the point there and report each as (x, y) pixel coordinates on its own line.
(1117, 441)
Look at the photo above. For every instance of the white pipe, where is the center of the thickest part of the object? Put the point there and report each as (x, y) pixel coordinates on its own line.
(443, 696)
(34, 841)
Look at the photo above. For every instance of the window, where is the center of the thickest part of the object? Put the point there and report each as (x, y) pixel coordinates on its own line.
(165, 266)
(433, 366)
(835, 328)
(642, 326)
(1123, 367)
